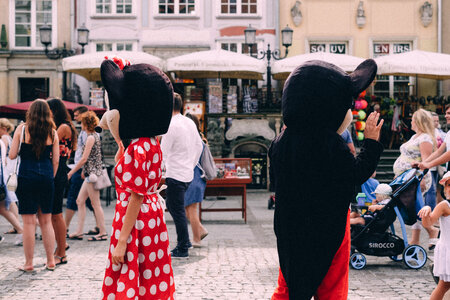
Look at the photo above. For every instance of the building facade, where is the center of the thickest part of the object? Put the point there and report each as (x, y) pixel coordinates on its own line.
(25, 71)
(366, 29)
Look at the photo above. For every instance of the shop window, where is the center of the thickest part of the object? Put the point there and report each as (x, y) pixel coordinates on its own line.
(177, 7)
(103, 47)
(33, 88)
(229, 47)
(124, 47)
(113, 47)
(239, 7)
(114, 6)
(391, 86)
(29, 16)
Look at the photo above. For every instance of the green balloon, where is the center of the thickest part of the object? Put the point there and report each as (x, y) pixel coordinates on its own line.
(360, 136)
(362, 114)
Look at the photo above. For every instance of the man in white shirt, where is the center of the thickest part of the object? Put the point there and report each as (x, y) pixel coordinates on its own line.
(181, 147)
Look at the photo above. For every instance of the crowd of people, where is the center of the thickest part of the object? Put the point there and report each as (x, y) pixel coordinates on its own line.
(156, 140)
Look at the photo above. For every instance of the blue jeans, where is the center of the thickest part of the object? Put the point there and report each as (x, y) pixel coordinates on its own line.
(430, 195)
(175, 204)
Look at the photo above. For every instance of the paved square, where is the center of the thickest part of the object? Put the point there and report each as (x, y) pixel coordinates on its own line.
(239, 261)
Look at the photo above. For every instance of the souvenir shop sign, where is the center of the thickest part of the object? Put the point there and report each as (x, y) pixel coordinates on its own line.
(385, 48)
(336, 48)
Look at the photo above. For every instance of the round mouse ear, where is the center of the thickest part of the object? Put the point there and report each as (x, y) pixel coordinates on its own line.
(363, 76)
(113, 80)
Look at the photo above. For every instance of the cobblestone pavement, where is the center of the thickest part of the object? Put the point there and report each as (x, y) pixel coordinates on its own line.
(239, 261)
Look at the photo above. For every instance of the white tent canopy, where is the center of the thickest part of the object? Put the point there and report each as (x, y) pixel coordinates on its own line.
(88, 65)
(216, 64)
(415, 63)
(282, 68)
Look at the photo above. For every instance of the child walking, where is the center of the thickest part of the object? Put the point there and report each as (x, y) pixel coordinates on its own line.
(442, 250)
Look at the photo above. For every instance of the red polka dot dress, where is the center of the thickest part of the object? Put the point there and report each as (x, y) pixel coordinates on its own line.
(147, 271)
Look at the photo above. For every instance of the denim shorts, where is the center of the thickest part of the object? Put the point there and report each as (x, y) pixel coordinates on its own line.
(35, 186)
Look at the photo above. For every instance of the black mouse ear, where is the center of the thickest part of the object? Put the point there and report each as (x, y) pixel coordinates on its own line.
(363, 76)
(113, 80)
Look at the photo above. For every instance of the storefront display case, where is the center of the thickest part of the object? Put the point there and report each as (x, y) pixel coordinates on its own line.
(233, 175)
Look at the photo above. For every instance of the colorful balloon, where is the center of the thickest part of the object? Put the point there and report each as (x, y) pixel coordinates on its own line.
(362, 95)
(355, 113)
(360, 136)
(363, 104)
(360, 125)
(362, 114)
(357, 105)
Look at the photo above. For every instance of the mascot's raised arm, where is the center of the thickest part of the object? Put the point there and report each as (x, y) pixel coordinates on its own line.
(140, 108)
(315, 175)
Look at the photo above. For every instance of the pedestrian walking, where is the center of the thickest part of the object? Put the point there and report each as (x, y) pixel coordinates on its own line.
(181, 147)
(314, 168)
(6, 128)
(430, 216)
(38, 142)
(9, 198)
(67, 135)
(76, 181)
(139, 264)
(417, 149)
(92, 166)
(195, 193)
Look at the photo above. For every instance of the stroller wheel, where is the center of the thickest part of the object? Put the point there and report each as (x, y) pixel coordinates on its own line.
(414, 257)
(358, 261)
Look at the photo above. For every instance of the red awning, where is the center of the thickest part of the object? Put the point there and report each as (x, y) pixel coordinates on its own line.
(19, 110)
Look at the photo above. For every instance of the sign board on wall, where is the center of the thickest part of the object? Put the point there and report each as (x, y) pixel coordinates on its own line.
(336, 48)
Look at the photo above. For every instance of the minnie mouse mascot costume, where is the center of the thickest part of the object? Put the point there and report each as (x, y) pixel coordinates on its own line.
(315, 176)
(140, 103)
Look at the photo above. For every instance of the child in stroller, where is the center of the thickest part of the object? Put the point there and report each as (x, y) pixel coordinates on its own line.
(382, 197)
(374, 238)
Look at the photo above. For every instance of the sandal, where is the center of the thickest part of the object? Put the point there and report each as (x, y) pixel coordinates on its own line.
(28, 271)
(12, 231)
(75, 237)
(50, 268)
(61, 260)
(96, 238)
(94, 231)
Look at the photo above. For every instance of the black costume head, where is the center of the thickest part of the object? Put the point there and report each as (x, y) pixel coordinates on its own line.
(140, 100)
(318, 94)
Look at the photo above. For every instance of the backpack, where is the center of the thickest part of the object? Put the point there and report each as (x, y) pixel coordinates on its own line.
(207, 164)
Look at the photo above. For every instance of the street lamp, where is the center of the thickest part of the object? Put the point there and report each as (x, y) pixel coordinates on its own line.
(45, 34)
(286, 40)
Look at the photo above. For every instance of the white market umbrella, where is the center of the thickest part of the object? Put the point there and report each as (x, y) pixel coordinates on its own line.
(216, 64)
(88, 65)
(418, 63)
(282, 68)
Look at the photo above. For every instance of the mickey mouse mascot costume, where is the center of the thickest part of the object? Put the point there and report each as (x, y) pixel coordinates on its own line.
(140, 102)
(315, 176)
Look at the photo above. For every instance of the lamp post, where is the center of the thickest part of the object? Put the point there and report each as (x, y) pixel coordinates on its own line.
(286, 40)
(45, 34)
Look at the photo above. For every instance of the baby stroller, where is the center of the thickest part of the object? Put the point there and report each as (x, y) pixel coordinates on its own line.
(374, 237)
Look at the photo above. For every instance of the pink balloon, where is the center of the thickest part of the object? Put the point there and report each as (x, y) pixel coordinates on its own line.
(363, 104)
(358, 105)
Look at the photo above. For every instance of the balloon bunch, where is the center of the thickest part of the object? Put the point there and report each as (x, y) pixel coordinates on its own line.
(360, 114)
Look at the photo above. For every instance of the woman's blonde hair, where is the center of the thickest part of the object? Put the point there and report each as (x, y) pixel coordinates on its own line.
(5, 123)
(424, 122)
(90, 120)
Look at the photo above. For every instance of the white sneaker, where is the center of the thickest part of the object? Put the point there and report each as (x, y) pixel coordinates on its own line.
(19, 240)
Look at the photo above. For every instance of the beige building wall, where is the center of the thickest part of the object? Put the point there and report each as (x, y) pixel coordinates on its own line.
(15, 64)
(446, 41)
(386, 21)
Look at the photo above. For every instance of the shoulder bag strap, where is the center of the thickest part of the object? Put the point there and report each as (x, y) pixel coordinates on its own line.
(18, 150)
